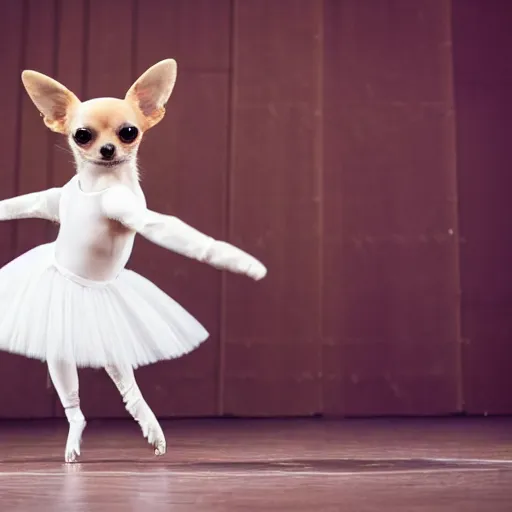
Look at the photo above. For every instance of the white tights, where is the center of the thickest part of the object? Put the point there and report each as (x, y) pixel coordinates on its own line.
(64, 376)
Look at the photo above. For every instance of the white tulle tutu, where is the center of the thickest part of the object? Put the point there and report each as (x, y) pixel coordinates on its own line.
(46, 313)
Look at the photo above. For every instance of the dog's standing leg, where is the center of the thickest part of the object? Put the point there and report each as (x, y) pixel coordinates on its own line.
(124, 379)
(64, 376)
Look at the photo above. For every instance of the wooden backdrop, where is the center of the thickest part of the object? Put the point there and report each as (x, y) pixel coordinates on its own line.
(358, 147)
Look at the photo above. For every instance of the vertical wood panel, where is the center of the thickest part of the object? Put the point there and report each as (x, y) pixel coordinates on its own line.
(483, 79)
(25, 164)
(69, 71)
(11, 36)
(184, 162)
(272, 351)
(391, 275)
(110, 36)
(36, 140)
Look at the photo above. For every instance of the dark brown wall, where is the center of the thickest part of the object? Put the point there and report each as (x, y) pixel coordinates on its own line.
(390, 223)
(322, 136)
(483, 78)
(272, 345)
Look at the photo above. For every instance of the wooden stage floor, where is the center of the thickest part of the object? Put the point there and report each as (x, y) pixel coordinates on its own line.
(311, 466)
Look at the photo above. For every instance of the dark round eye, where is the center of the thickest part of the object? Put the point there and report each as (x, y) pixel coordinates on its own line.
(83, 136)
(128, 134)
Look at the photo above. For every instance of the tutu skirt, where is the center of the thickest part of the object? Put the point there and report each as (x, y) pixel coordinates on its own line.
(46, 313)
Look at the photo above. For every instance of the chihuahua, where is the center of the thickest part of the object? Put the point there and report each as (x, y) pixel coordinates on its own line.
(104, 135)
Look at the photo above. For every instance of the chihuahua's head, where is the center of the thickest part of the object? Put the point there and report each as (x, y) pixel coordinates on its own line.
(104, 132)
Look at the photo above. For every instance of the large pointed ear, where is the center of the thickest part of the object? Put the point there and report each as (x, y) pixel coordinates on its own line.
(152, 90)
(53, 100)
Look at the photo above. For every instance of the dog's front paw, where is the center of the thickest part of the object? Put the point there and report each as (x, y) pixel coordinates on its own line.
(256, 270)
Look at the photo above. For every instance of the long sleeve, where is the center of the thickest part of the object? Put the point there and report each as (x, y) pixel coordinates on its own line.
(40, 205)
(120, 204)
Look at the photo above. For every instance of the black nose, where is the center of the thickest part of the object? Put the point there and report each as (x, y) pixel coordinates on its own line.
(107, 151)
